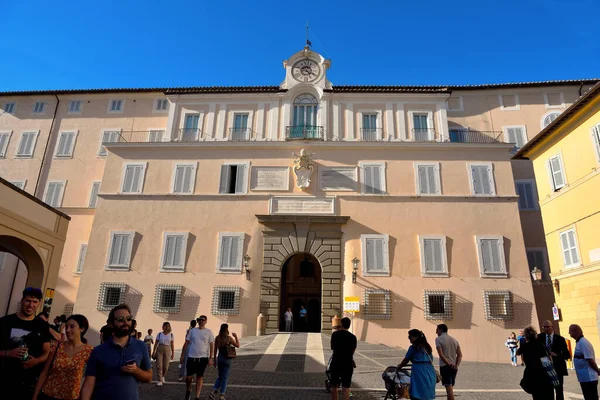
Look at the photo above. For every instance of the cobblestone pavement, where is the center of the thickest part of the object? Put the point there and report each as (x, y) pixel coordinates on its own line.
(288, 381)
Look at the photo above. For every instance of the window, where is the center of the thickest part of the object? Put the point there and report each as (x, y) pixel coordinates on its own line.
(184, 178)
(9, 108)
(490, 250)
(372, 177)
(39, 107)
(509, 102)
(27, 144)
(111, 295)
(338, 178)
(369, 130)
(75, 107)
(174, 251)
(229, 257)
(161, 105)
(19, 184)
(108, 136)
(66, 144)
(240, 129)
(556, 172)
(94, 194)
(595, 140)
(119, 251)
(226, 300)
(437, 305)
(156, 135)
(516, 135)
(190, 128)
(554, 100)
(547, 119)
(133, 177)
(81, 259)
(375, 255)
(167, 298)
(69, 309)
(568, 241)
(498, 305)
(536, 258)
(378, 304)
(527, 194)
(434, 260)
(428, 178)
(482, 179)
(422, 126)
(115, 106)
(54, 193)
(455, 104)
(305, 110)
(4, 140)
(234, 178)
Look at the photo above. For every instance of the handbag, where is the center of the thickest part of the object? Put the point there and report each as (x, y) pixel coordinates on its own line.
(231, 353)
(438, 377)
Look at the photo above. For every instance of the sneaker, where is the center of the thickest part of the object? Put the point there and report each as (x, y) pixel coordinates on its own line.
(159, 383)
(180, 379)
(188, 394)
(163, 379)
(211, 396)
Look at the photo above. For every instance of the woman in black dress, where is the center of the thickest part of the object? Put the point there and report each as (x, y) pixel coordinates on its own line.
(535, 379)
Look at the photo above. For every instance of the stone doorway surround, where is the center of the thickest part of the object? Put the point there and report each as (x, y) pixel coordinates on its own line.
(286, 235)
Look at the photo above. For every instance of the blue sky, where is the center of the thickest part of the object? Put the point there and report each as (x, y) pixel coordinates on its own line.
(130, 43)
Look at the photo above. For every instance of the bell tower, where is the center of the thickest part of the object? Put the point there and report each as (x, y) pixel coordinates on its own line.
(306, 68)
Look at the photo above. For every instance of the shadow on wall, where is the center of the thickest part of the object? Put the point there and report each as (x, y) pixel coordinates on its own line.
(462, 315)
(133, 299)
(522, 315)
(239, 318)
(188, 310)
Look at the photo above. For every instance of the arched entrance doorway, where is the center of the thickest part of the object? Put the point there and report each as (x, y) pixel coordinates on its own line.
(301, 287)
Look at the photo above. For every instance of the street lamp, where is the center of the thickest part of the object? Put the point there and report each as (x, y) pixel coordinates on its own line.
(536, 274)
(246, 266)
(355, 262)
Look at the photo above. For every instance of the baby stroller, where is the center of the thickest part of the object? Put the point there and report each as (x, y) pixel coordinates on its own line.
(397, 382)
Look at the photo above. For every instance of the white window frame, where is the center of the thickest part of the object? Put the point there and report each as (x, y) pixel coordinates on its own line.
(482, 273)
(246, 164)
(33, 144)
(71, 149)
(580, 261)
(144, 165)
(231, 116)
(546, 266)
(386, 254)
(553, 186)
(155, 108)
(524, 137)
(542, 126)
(382, 166)
(460, 99)
(171, 268)
(438, 180)
(533, 191)
(99, 183)
(517, 103)
(562, 100)
(4, 148)
(20, 184)
(492, 178)
(81, 258)
(69, 109)
(240, 236)
(164, 134)
(430, 125)
(379, 117)
(596, 140)
(13, 108)
(424, 272)
(102, 152)
(194, 166)
(34, 109)
(61, 195)
(329, 189)
(109, 108)
(119, 267)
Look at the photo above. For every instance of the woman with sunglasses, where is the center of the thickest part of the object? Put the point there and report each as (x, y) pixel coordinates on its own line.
(63, 371)
(422, 377)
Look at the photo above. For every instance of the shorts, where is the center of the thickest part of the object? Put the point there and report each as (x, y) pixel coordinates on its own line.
(448, 375)
(196, 366)
(342, 375)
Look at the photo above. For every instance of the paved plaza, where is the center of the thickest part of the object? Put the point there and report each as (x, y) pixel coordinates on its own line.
(284, 366)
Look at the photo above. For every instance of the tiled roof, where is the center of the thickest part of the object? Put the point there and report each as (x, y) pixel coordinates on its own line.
(387, 89)
(224, 89)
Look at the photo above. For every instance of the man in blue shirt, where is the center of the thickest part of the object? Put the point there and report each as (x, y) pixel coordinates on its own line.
(116, 366)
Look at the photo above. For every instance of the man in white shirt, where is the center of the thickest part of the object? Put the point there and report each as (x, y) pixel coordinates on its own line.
(450, 357)
(201, 343)
(586, 368)
(288, 317)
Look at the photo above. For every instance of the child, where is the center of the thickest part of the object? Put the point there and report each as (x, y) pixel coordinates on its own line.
(512, 344)
(149, 340)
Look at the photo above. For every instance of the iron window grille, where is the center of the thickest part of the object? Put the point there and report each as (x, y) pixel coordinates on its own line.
(167, 298)
(111, 294)
(69, 309)
(498, 305)
(437, 305)
(226, 300)
(378, 304)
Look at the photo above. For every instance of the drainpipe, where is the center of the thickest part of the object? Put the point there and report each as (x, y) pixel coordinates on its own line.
(37, 183)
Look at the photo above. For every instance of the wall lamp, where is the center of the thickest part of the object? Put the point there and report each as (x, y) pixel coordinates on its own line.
(247, 266)
(536, 274)
(355, 262)
(557, 285)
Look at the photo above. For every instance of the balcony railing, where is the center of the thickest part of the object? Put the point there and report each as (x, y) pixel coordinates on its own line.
(154, 135)
(371, 134)
(239, 134)
(423, 134)
(471, 136)
(188, 135)
(304, 132)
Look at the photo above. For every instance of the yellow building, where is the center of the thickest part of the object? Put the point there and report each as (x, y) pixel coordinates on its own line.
(566, 161)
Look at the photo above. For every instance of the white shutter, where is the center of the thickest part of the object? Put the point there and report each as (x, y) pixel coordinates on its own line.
(3, 143)
(50, 194)
(133, 180)
(65, 144)
(94, 195)
(173, 251)
(224, 182)
(433, 255)
(156, 135)
(595, 139)
(371, 254)
(481, 176)
(81, 260)
(120, 250)
(128, 180)
(230, 251)
(26, 144)
(179, 178)
(241, 181)
(558, 177)
(477, 179)
(427, 179)
(565, 247)
(490, 254)
(54, 194)
(573, 247)
(379, 254)
(372, 179)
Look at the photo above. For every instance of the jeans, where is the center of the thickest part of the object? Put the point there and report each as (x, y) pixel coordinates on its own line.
(513, 355)
(223, 367)
(589, 390)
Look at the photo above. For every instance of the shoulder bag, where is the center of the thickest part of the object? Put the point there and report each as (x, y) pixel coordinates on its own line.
(438, 377)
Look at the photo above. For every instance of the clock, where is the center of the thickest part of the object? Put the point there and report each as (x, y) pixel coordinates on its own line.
(305, 70)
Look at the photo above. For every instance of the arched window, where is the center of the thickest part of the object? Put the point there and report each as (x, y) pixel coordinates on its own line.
(305, 110)
(549, 118)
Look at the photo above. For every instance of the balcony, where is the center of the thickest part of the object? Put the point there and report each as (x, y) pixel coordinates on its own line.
(239, 134)
(371, 134)
(149, 136)
(187, 135)
(472, 136)
(304, 132)
(423, 134)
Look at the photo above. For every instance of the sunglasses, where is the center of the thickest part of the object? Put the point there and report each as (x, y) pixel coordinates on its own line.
(128, 318)
(202, 319)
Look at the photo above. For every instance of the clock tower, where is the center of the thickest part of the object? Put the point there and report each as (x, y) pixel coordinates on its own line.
(306, 69)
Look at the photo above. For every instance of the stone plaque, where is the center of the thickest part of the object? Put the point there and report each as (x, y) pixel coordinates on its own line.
(302, 205)
(270, 178)
(338, 178)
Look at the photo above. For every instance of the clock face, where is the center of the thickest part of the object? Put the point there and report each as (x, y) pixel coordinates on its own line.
(305, 70)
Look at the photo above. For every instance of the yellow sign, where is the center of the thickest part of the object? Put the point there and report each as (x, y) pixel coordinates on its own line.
(352, 304)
